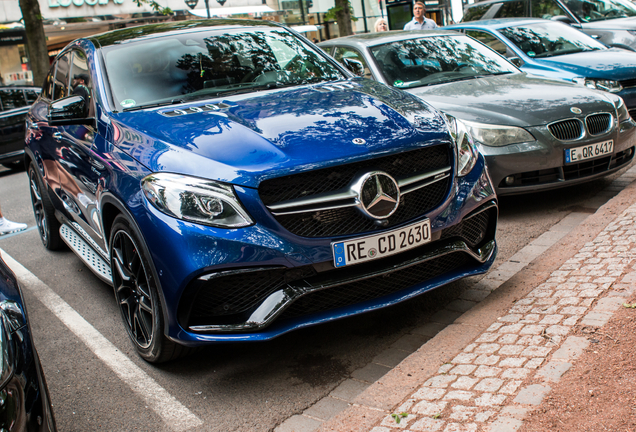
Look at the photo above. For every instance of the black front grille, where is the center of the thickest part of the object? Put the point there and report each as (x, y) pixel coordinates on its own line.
(567, 129)
(598, 123)
(628, 83)
(335, 222)
(570, 172)
(345, 221)
(379, 286)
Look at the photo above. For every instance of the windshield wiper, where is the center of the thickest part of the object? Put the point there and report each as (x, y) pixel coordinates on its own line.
(154, 105)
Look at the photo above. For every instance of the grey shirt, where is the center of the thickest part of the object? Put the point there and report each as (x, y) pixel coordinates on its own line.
(427, 24)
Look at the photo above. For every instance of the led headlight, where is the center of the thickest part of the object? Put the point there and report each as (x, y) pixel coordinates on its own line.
(497, 135)
(599, 84)
(195, 200)
(464, 145)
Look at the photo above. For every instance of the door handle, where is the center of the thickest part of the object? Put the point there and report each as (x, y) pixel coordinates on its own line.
(57, 136)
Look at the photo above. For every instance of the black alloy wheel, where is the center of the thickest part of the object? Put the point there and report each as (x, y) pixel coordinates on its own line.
(136, 291)
(43, 210)
(132, 290)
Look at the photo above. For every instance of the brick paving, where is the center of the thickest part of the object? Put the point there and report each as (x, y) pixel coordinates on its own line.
(508, 368)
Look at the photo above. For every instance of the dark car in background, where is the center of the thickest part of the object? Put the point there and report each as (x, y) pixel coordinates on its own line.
(555, 50)
(15, 102)
(233, 183)
(535, 133)
(612, 22)
(25, 402)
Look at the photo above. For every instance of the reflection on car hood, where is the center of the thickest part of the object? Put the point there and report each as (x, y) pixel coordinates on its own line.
(513, 100)
(612, 24)
(273, 133)
(616, 64)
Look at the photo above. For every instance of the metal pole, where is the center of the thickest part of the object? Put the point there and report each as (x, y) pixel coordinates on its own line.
(207, 7)
(364, 16)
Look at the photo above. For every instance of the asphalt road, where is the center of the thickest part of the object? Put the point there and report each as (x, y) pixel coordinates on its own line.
(228, 387)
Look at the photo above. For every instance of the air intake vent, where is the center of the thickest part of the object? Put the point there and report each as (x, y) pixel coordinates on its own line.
(598, 123)
(567, 130)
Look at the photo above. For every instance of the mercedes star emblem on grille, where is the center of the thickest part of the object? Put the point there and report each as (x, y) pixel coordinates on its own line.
(379, 195)
(576, 110)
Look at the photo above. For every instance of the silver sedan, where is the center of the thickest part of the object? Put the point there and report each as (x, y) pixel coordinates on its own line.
(535, 133)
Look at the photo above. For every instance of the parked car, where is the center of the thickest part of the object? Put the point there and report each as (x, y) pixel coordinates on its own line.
(555, 50)
(26, 404)
(536, 133)
(14, 104)
(612, 22)
(234, 183)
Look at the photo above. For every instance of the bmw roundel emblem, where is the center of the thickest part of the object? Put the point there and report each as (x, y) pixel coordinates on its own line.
(576, 110)
(359, 141)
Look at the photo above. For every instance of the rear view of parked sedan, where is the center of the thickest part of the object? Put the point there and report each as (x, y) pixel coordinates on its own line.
(234, 183)
(535, 133)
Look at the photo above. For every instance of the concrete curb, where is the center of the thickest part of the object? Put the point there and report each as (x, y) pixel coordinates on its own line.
(378, 400)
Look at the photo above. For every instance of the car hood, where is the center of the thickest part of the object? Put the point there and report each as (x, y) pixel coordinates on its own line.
(615, 64)
(513, 100)
(248, 138)
(612, 24)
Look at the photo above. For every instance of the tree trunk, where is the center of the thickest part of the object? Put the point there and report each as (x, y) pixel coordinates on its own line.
(36, 40)
(343, 17)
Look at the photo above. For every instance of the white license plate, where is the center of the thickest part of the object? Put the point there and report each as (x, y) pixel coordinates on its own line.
(381, 245)
(590, 151)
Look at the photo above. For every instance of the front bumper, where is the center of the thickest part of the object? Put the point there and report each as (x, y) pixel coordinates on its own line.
(261, 281)
(540, 165)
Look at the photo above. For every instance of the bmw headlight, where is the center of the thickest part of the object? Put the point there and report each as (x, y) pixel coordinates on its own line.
(464, 146)
(497, 135)
(195, 200)
(599, 84)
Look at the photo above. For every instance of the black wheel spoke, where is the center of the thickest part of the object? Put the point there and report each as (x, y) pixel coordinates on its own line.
(133, 293)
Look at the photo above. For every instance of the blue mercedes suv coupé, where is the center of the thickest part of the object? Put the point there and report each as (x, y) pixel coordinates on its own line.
(233, 183)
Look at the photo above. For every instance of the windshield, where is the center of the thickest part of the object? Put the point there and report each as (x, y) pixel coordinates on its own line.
(600, 10)
(200, 65)
(550, 39)
(438, 59)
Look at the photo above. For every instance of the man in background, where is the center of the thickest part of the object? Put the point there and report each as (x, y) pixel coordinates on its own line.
(419, 21)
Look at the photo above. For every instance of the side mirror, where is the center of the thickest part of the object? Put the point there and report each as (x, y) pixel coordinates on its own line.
(354, 66)
(70, 110)
(563, 19)
(516, 61)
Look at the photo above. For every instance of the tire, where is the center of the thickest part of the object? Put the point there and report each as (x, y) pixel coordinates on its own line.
(136, 291)
(44, 212)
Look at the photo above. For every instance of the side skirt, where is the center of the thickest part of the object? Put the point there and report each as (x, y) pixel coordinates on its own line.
(86, 253)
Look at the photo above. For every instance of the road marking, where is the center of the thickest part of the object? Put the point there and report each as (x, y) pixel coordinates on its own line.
(176, 416)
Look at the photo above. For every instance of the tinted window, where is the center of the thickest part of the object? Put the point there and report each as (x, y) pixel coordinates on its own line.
(546, 9)
(550, 39)
(47, 89)
(489, 40)
(512, 9)
(350, 53)
(207, 64)
(61, 78)
(599, 10)
(31, 96)
(80, 79)
(434, 60)
(475, 13)
(11, 99)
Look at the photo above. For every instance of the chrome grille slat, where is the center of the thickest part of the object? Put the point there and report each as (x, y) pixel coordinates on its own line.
(598, 124)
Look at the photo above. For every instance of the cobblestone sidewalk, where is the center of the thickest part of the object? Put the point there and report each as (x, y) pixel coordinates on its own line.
(507, 369)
